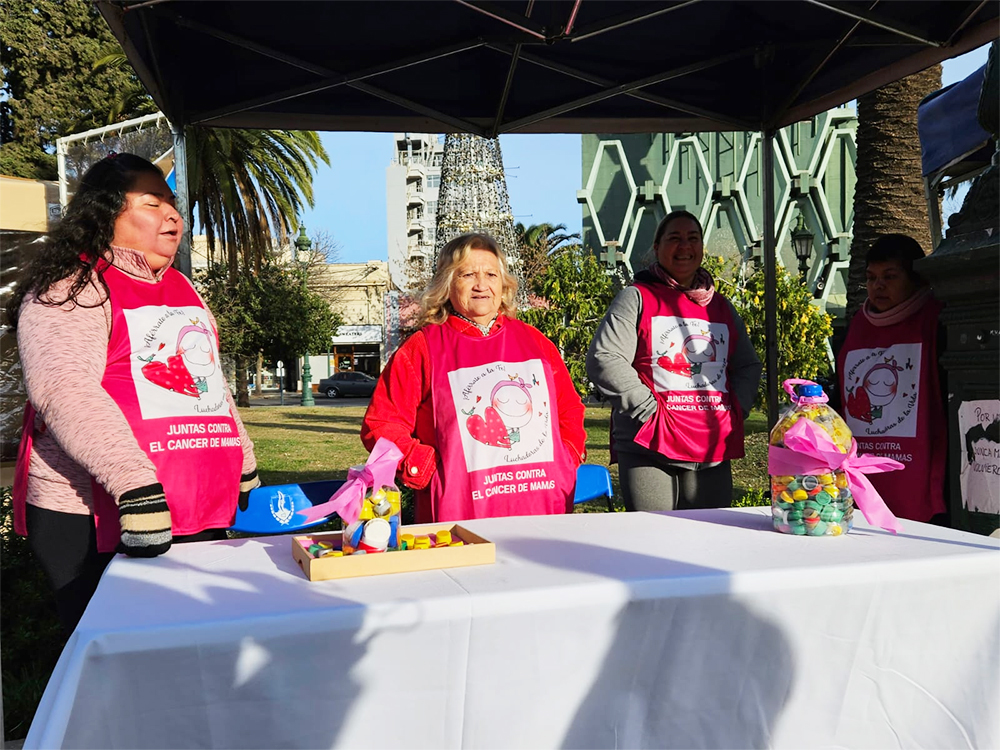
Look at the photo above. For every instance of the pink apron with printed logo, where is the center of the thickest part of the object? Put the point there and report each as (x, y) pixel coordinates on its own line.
(163, 372)
(500, 452)
(891, 396)
(682, 356)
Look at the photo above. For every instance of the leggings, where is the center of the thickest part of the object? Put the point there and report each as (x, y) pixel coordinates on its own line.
(653, 483)
(65, 545)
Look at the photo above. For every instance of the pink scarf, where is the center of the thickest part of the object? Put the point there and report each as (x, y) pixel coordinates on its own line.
(901, 311)
(702, 286)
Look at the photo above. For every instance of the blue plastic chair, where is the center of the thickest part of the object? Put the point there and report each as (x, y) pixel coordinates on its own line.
(592, 482)
(273, 509)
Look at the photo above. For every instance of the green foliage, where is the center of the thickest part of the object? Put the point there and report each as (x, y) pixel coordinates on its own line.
(578, 293)
(536, 246)
(31, 637)
(752, 498)
(249, 185)
(271, 311)
(803, 329)
(49, 86)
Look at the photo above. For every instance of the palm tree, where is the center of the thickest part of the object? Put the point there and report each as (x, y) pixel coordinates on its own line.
(889, 194)
(538, 244)
(248, 185)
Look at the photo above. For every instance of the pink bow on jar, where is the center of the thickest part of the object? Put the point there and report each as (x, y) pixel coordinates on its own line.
(810, 450)
(379, 469)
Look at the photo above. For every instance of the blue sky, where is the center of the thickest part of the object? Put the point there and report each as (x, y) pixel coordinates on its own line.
(543, 175)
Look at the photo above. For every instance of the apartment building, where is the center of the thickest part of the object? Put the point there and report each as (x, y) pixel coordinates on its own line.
(411, 183)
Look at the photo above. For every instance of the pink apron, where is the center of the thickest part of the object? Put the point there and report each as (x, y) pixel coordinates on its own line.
(682, 355)
(163, 372)
(891, 393)
(500, 452)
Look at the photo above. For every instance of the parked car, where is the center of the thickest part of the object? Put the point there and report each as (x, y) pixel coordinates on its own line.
(347, 384)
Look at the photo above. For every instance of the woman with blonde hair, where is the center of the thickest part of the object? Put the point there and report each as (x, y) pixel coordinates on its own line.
(480, 404)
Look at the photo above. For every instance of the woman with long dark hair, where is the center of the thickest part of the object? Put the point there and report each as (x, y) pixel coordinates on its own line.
(131, 440)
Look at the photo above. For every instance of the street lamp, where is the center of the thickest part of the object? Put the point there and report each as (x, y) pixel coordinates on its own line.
(303, 244)
(802, 244)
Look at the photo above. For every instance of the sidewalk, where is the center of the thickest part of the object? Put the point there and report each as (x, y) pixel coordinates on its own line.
(294, 398)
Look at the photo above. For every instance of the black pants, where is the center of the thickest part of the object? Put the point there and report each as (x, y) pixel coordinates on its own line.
(65, 545)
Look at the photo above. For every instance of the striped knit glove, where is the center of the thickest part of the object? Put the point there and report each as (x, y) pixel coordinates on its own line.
(145, 520)
(248, 482)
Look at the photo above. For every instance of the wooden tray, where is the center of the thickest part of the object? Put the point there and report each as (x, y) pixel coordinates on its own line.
(475, 551)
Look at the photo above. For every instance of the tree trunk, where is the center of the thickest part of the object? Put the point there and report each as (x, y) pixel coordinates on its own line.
(889, 194)
(258, 380)
(242, 382)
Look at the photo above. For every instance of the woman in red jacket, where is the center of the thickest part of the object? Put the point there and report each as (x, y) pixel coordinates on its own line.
(889, 382)
(480, 404)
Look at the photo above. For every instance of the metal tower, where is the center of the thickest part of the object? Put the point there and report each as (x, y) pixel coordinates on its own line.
(473, 196)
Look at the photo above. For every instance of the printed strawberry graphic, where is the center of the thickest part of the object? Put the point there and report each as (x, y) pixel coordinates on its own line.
(489, 431)
(858, 405)
(678, 365)
(172, 375)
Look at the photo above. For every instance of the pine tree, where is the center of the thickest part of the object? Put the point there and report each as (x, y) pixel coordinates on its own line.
(50, 88)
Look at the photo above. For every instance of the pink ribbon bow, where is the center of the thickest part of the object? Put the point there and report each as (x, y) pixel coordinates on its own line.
(812, 451)
(379, 469)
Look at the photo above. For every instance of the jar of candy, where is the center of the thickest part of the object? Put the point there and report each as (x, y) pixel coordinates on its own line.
(385, 503)
(817, 503)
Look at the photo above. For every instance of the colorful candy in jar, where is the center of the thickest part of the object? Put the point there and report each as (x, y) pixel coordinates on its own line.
(385, 503)
(818, 504)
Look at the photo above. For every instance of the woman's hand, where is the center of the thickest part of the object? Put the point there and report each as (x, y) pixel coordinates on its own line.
(145, 521)
(419, 465)
(248, 482)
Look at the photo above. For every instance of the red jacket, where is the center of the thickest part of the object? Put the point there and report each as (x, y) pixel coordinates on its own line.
(400, 408)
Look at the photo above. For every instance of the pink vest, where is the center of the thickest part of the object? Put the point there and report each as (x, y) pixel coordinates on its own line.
(163, 373)
(500, 452)
(682, 355)
(891, 396)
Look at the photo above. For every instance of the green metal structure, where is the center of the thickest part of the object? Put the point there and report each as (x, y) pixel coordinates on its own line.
(633, 180)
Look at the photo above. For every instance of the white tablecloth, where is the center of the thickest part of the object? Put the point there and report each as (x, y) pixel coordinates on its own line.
(695, 629)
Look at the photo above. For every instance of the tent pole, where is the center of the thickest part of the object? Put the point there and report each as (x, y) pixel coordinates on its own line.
(770, 275)
(183, 207)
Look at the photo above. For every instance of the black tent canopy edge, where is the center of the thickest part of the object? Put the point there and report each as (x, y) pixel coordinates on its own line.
(246, 64)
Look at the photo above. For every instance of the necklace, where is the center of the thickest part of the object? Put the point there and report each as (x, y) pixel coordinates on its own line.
(485, 330)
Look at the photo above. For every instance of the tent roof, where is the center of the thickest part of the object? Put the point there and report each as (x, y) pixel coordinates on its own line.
(952, 142)
(581, 66)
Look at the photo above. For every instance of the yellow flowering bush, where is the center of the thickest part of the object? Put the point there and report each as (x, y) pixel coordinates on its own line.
(803, 329)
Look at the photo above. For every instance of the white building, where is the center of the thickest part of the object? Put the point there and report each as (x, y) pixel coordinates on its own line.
(357, 291)
(411, 191)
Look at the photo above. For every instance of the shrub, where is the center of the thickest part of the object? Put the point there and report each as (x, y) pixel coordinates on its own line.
(803, 329)
(31, 637)
(577, 292)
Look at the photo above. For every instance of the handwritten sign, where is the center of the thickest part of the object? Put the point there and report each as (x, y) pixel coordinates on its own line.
(979, 432)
